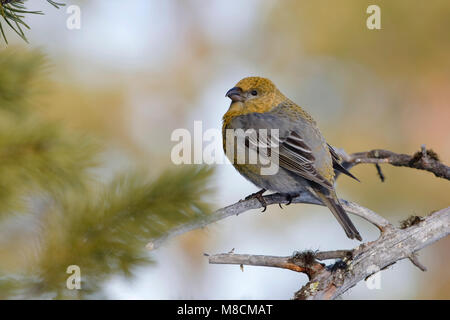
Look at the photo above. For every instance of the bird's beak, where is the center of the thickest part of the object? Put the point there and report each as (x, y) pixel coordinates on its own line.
(235, 94)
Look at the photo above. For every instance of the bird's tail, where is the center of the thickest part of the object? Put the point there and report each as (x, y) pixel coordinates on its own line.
(333, 204)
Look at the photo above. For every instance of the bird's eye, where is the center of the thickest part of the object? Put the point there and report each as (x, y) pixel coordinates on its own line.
(254, 92)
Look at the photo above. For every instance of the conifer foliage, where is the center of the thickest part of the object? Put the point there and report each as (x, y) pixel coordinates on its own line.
(53, 211)
(13, 13)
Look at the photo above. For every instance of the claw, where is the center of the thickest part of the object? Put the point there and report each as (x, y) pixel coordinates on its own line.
(258, 195)
(290, 197)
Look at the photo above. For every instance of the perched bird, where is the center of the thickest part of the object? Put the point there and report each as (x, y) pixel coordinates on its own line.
(306, 161)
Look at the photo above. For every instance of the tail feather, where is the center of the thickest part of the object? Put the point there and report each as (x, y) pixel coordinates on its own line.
(336, 208)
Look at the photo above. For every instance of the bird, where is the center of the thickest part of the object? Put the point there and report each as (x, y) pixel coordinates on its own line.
(306, 162)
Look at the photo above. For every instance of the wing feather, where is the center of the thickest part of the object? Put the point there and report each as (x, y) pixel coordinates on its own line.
(337, 164)
(293, 152)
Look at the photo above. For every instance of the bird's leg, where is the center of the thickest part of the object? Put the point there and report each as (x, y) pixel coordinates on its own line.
(258, 195)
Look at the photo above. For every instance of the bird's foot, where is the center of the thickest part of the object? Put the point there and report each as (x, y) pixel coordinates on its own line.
(258, 195)
(289, 198)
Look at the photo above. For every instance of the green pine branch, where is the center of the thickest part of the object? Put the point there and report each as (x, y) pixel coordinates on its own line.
(35, 154)
(67, 217)
(13, 13)
(21, 77)
(104, 230)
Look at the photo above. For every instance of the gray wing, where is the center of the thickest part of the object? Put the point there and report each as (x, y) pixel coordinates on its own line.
(294, 154)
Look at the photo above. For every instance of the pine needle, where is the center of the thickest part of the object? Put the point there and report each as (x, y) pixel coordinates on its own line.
(10, 11)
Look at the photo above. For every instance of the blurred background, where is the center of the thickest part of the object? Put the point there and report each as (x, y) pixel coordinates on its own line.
(80, 110)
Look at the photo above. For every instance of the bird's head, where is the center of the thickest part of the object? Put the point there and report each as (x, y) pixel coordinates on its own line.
(254, 94)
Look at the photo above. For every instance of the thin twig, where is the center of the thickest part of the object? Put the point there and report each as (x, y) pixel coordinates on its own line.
(415, 261)
(336, 254)
(264, 261)
(246, 205)
(305, 262)
(380, 172)
(424, 159)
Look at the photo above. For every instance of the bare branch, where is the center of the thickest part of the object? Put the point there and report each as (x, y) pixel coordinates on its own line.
(365, 260)
(394, 245)
(380, 172)
(264, 261)
(415, 261)
(304, 262)
(418, 161)
(246, 205)
(424, 159)
(381, 223)
(336, 254)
